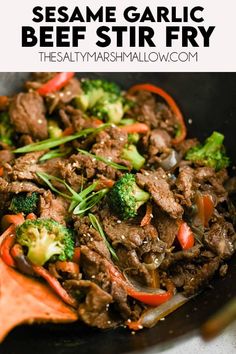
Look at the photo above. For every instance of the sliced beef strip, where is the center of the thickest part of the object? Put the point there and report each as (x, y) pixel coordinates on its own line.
(221, 239)
(156, 183)
(89, 167)
(154, 114)
(184, 255)
(52, 207)
(191, 277)
(27, 114)
(130, 234)
(65, 95)
(6, 156)
(212, 181)
(167, 227)
(25, 166)
(185, 184)
(75, 117)
(109, 143)
(95, 268)
(156, 142)
(94, 309)
(133, 267)
(18, 187)
(88, 236)
(145, 109)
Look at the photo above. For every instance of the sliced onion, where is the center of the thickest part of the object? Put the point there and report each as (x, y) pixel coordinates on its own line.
(141, 288)
(150, 317)
(170, 161)
(156, 262)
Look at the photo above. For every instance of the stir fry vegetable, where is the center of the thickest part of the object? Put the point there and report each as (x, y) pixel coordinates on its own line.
(55, 84)
(24, 203)
(125, 198)
(185, 236)
(6, 129)
(45, 239)
(211, 153)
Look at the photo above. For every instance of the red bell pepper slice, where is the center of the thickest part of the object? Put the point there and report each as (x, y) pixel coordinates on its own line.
(77, 254)
(55, 84)
(151, 299)
(171, 102)
(12, 219)
(56, 286)
(205, 208)
(8, 240)
(141, 128)
(185, 236)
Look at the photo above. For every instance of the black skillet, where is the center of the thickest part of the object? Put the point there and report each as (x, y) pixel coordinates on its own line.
(208, 101)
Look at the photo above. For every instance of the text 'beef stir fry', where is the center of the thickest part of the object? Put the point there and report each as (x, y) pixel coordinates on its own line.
(102, 195)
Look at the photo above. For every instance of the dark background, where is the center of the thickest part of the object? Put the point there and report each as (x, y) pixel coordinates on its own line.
(209, 100)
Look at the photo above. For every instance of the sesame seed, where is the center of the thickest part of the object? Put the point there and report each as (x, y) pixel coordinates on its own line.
(91, 239)
(40, 121)
(151, 215)
(123, 237)
(68, 93)
(146, 173)
(190, 121)
(121, 139)
(109, 322)
(162, 319)
(133, 332)
(129, 320)
(93, 276)
(61, 94)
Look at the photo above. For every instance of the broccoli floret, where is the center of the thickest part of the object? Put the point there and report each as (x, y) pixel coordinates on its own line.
(109, 108)
(45, 239)
(211, 153)
(6, 130)
(24, 203)
(107, 86)
(54, 131)
(102, 99)
(131, 154)
(126, 197)
(93, 91)
(133, 138)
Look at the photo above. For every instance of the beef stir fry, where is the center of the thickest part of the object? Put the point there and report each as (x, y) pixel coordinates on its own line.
(104, 197)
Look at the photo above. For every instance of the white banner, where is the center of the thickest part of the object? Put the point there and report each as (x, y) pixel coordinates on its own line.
(87, 35)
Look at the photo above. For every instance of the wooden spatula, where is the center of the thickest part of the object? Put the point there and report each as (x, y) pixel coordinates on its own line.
(26, 300)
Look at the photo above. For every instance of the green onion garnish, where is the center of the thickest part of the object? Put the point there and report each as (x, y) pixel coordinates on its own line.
(53, 142)
(80, 202)
(97, 226)
(102, 159)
